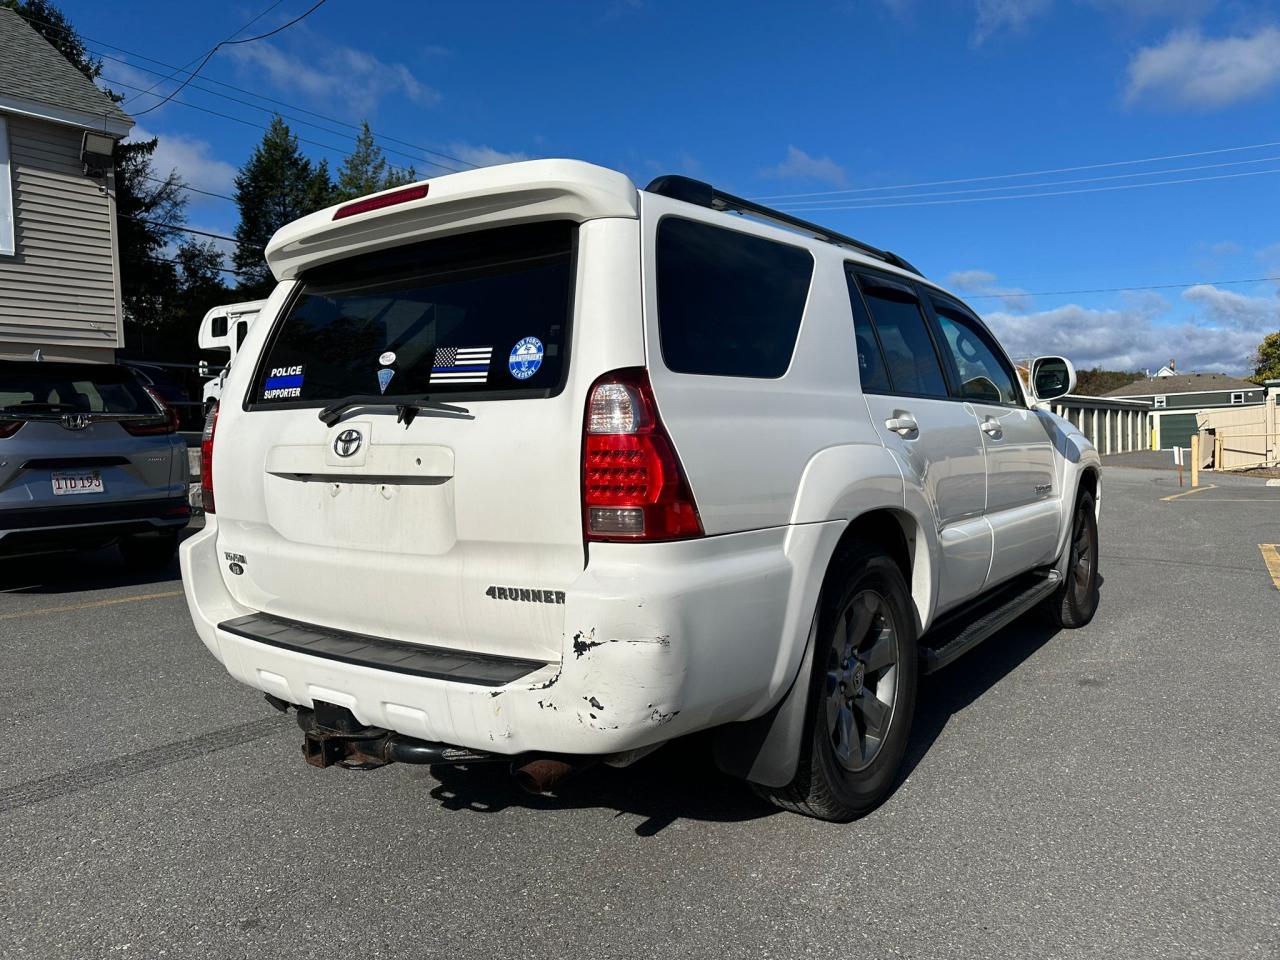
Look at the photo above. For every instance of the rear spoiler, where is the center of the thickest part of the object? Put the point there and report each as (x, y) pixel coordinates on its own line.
(509, 194)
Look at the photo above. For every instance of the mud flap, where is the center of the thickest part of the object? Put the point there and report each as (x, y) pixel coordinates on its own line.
(766, 750)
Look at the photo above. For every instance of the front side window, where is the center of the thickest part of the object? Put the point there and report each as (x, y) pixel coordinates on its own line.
(483, 314)
(985, 376)
(729, 303)
(909, 355)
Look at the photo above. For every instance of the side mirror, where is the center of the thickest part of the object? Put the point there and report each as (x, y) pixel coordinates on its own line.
(1052, 377)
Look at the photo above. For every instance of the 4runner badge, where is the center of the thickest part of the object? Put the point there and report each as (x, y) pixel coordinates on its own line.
(525, 595)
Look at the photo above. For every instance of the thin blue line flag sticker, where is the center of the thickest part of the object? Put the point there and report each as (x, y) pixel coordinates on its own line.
(283, 383)
(526, 358)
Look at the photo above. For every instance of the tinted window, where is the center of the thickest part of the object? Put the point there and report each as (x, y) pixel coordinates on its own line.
(985, 376)
(482, 314)
(729, 304)
(242, 328)
(44, 386)
(872, 372)
(218, 326)
(909, 354)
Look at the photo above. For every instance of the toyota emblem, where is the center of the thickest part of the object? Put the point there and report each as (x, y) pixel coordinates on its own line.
(347, 443)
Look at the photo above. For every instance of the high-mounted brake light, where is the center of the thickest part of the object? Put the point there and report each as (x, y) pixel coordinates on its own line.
(632, 485)
(206, 462)
(416, 192)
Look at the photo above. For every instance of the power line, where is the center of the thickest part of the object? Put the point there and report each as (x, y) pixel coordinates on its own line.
(173, 260)
(1027, 173)
(822, 204)
(1013, 294)
(169, 226)
(183, 186)
(1054, 193)
(187, 66)
(226, 43)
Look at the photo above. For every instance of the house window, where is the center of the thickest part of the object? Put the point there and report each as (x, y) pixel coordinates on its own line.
(1237, 398)
(1159, 402)
(6, 194)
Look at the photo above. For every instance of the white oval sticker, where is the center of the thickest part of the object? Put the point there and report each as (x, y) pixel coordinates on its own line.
(388, 358)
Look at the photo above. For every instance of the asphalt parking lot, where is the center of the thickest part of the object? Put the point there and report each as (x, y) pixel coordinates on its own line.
(1113, 791)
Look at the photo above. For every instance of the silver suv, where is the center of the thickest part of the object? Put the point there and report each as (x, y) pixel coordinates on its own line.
(88, 457)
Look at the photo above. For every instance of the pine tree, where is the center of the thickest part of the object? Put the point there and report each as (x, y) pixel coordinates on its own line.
(365, 170)
(276, 186)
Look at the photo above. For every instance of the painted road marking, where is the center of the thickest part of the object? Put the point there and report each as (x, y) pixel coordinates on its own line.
(1187, 493)
(87, 606)
(1271, 557)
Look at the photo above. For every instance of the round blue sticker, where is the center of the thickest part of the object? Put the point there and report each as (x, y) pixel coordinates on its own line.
(526, 358)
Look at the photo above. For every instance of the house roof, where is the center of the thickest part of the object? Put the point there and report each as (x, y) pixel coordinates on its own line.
(36, 80)
(1181, 383)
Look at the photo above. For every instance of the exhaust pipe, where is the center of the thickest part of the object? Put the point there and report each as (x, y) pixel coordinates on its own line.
(542, 775)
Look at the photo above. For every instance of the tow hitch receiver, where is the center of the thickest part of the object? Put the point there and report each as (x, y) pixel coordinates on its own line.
(332, 735)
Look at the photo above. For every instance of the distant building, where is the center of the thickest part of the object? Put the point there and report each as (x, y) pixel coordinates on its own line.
(59, 264)
(1177, 398)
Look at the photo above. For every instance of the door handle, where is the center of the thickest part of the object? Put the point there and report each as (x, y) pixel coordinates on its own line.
(903, 424)
(991, 427)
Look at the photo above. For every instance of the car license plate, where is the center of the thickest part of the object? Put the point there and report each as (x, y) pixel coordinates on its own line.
(69, 482)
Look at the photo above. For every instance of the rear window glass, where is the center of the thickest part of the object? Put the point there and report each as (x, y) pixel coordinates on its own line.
(729, 304)
(51, 387)
(482, 314)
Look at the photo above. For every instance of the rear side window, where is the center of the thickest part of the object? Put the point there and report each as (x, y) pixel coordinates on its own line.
(51, 387)
(729, 304)
(909, 355)
(484, 315)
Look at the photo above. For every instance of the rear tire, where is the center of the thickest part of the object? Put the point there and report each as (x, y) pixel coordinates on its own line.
(149, 551)
(1075, 602)
(862, 692)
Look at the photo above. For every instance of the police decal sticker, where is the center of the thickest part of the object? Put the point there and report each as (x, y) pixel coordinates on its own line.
(526, 358)
(283, 383)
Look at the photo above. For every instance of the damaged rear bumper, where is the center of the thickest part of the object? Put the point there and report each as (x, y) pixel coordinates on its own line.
(665, 639)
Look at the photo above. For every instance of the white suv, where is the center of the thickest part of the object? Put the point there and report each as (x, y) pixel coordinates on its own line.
(525, 463)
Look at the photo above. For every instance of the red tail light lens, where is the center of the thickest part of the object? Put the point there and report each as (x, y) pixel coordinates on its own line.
(632, 485)
(148, 428)
(416, 192)
(206, 462)
(9, 427)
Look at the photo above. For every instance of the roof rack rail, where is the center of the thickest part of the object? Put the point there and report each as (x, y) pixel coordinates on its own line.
(705, 195)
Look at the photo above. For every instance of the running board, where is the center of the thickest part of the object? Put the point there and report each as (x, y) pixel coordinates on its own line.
(966, 628)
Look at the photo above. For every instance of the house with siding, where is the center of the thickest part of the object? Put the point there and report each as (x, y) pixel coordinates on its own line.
(1178, 398)
(59, 269)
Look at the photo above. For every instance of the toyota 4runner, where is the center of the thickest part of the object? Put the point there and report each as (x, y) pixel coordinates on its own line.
(527, 464)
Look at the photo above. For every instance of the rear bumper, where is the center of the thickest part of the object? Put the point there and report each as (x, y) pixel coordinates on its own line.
(665, 639)
(29, 530)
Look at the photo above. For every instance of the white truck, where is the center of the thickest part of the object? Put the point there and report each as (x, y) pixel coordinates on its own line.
(528, 464)
(224, 328)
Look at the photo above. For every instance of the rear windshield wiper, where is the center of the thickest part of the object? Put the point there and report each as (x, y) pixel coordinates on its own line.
(406, 407)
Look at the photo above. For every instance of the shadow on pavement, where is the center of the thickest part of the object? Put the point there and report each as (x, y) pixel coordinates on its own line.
(80, 571)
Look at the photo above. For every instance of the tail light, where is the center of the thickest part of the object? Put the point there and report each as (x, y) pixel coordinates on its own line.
(632, 485)
(148, 428)
(206, 461)
(9, 427)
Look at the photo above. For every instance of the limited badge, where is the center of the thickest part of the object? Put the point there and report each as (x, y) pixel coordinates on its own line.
(388, 358)
(526, 358)
(384, 378)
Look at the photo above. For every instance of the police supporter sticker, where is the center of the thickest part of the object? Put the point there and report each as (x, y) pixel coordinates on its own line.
(526, 358)
(283, 383)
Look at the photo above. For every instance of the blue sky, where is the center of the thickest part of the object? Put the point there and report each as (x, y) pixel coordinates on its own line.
(870, 97)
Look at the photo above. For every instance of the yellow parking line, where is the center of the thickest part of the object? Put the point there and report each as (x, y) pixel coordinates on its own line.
(1271, 557)
(1187, 493)
(86, 606)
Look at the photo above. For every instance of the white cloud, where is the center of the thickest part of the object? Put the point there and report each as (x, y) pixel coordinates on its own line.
(350, 80)
(483, 156)
(799, 165)
(1013, 15)
(982, 283)
(1191, 70)
(193, 159)
(1218, 339)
